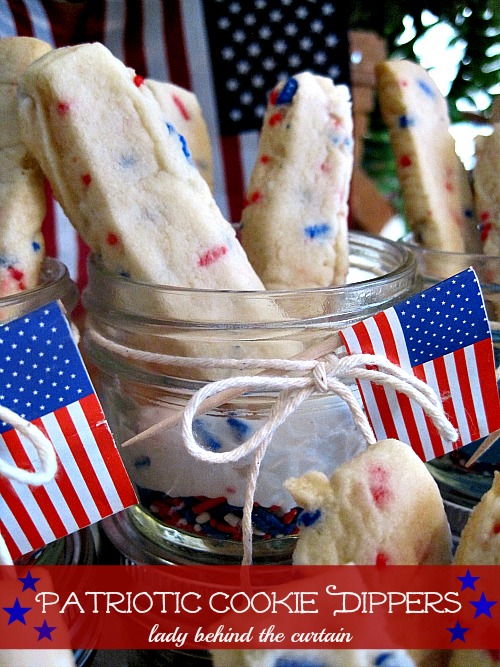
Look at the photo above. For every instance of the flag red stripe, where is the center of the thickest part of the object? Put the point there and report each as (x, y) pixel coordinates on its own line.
(42, 498)
(233, 173)
(446, 400)
(175, 45)
(133, 37)
(17, 508)
(82, 460)
(49, 224)
(66, 487)
(24, 26)
(466, 394)
(114, 465)
(379, 394)
(391, 352)
(489, 389)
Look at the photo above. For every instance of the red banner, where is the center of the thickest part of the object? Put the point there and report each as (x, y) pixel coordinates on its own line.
(170, 607)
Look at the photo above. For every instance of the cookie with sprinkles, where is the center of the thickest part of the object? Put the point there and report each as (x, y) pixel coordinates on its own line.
(434, 184)
(125, 178)
(487, 189)
(312, 658)
(294, 223)
(183, 111)
(381, 507)
(22, 193)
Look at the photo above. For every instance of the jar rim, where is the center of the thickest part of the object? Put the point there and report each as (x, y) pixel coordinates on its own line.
(405, 267)
(409, 241)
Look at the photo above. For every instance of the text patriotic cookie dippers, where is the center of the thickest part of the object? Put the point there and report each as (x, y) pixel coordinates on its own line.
(43, 381)
(442, 337)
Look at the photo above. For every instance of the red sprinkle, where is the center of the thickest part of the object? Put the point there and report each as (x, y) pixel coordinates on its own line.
(496, 528)
(62, 108)
(17, 274)
(485, 231)
(273, 96)
(212, 255)
(253, 199)
(265, 159)
(381, 560)
(405, 161)
(379, 489)
(275, 119)
(178, 103)
(207, 504)
(289, 516)
(484, 216)
(325, 168)
(449, 186)
(112, 239)
(138, 80)
(86, 179)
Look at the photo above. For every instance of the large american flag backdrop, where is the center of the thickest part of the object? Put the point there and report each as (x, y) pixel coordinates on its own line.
(43, 379)
(230, 53)
(442, 336)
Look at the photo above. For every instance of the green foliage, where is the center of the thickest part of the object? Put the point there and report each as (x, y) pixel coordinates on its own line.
(476, 23)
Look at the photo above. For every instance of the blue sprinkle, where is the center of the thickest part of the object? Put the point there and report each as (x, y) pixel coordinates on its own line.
(319, 230)
(297, 662)
(468, 213)
(36, 246)
(183, 141)
(392, 660)
(426, 88)
(127, 161)
(142, 462)
(406, 121)
(208, 439)
(239, 427)
(288, 91)
(308, 518)
(124, 274)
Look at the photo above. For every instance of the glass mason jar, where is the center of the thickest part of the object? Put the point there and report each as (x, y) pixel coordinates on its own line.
(191, 510)
(462, 487)
(54, 284)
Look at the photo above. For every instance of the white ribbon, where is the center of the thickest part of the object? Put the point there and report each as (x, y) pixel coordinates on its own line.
(46, 454)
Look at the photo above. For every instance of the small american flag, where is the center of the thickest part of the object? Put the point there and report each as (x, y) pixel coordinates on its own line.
(442, 336)
(43, 379)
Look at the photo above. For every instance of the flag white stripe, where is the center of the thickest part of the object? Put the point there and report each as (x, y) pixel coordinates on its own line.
(68, 461)
(154, 45)
(431, 380)
(473, 375)
(41, 24)
(392, 399)
(462, 424)
(27, 499)
(114, 23)
(405, 363)
(66, 240)
(249, 147)
(7, 23)
(14, 529)
(94, 454)
(53, 491)
(366, 389)
(200, 68)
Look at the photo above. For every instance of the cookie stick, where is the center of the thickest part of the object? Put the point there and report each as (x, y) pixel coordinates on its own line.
(126, 181)
(487, 189)
(436, 193)
(22, 193)
(383, 506)
(294, 224)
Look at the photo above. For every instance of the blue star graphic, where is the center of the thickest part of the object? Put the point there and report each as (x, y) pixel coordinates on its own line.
(44, 631)
(457, 632)
(468, 581)
(29, 582)
(16, 612)
(482, 606)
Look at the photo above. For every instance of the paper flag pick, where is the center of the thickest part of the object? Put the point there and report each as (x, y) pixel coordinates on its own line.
(442, 336)
(44, 380)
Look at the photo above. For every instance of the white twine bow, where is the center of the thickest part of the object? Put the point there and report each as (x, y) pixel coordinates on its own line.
(328, 375)
(46, 455)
